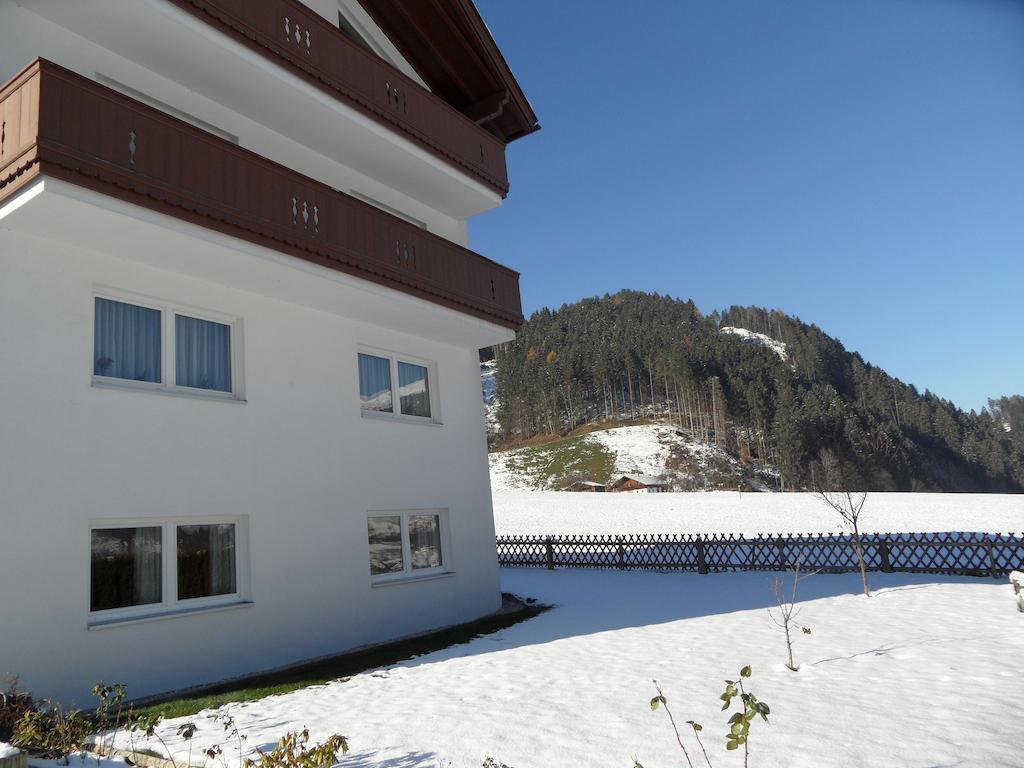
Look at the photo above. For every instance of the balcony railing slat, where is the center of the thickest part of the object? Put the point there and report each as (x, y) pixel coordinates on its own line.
(96, 137)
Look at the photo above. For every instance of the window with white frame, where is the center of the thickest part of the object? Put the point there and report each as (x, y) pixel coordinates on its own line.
(406, 543)
(150, 567)
(396, 386)
(165, 347)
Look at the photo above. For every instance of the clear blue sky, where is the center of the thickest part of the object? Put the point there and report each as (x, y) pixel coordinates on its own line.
(857, 163)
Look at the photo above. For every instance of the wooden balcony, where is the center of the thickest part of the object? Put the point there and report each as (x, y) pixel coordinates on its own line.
(296, 37)
(58, 124)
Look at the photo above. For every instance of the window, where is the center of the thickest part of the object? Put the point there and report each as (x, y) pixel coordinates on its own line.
(414, 396)
(153, 568)
(126, 568)
(202, 354)
(206, 560)
(127, 342)
(129, 349)
(406, 543)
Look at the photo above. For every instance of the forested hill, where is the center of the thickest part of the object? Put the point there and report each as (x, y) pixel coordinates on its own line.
(759, 383)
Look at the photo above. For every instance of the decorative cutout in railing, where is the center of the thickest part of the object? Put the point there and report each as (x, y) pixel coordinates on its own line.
(952, 552)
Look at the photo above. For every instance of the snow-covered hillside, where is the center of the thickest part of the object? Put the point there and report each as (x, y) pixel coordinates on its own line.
(646, 449)
(562, 514)
(489, 385)
(759, 339)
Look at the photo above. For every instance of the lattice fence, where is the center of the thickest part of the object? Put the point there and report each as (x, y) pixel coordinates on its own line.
(970, 554)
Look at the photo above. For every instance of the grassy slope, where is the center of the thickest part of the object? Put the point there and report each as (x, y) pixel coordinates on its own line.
(558, 463)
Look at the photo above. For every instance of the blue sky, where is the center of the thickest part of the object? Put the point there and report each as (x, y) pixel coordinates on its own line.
(857, 163)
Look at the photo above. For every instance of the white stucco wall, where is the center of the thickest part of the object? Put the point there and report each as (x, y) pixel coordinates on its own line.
(297, 459)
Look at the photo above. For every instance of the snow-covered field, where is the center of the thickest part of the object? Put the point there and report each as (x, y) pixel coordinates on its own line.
(560, 513)
(925, 673)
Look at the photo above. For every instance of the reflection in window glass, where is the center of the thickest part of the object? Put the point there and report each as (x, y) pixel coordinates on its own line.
(206, 561)
(385, 538)
(126, 568)
(425, 541)
(375, 383)
(413, 392)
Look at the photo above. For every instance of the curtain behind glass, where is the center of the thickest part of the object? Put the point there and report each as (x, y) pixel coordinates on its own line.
(414, 396)
(206, 560)
(202, 354)
(127, 341)
(425, 540)
(375, 383)
(126, 568)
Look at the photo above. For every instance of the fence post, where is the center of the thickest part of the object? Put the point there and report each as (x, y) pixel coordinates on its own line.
(883, 554)
(781, 544)
(549, 554)
(993, 569)
(702, 566)
(621, 555)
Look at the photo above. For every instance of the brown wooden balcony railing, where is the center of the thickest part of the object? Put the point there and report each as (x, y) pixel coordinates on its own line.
(294, 36)
(59, 124)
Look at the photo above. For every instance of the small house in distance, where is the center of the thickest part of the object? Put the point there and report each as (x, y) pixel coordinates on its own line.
(586, 486)
(638, 484)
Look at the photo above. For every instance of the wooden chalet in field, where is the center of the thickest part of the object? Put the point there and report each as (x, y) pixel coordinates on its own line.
(638, 484)
(586, 486)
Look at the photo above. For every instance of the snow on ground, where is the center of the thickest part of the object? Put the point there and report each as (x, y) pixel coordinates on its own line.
(558, 513)
(924, 673)
(759, 339)
(6, 750)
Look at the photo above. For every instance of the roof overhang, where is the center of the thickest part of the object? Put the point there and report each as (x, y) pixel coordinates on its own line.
(451, 48)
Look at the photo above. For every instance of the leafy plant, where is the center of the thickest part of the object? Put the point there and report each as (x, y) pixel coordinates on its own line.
(52, 731)
(14, 703)
(740, 722)
(292, 752)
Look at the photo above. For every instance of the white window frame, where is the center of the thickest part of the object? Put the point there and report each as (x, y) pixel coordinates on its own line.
(170, 604)
(168, 363)
(395, 413)
(408, 573)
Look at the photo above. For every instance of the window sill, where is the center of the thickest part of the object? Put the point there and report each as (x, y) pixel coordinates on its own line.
(159, 389)
(411, 579)
(98, 624)
(381, 416)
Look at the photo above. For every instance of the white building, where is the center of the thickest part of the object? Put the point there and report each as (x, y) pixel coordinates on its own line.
(239, 330)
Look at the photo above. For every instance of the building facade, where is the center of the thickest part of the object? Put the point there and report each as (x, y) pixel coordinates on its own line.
(240, 331)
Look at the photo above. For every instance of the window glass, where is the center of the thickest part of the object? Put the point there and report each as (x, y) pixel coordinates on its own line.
(202, 354)
(385, 537)
(425, 541)
(127, 341)
(413, 392)
(375, 383)
(126, 568)
(206, 560)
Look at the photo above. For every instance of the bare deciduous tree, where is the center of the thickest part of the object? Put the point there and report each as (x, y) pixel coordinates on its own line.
(832, 487)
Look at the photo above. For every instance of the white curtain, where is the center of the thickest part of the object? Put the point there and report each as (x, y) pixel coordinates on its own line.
(202, 354)
(127, 341)
(206, 560)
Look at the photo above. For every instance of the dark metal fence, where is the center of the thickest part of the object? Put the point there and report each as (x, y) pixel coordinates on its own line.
(959, 553)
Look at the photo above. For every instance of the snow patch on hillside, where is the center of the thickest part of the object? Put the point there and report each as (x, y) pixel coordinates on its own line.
(489, 384)
(757, 339)
(656, 450)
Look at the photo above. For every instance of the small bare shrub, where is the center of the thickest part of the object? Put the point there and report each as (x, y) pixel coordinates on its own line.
(788, 611)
